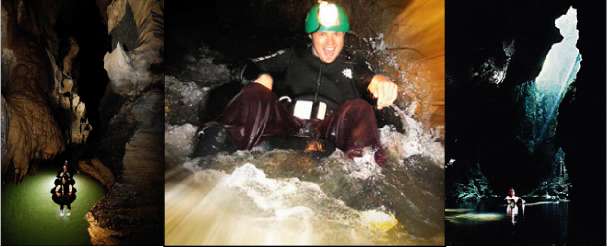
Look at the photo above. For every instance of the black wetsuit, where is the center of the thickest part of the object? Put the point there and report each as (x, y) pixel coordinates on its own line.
(297, 72)
(256, 112)
(65, 199)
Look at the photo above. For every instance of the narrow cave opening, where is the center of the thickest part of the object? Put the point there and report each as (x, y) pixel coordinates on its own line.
(83, 22)
(558, 72)
(547, 91)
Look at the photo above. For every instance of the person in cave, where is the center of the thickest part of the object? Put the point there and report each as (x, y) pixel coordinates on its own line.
(515, 207)
(322, 87)
(64, 192)
(512, 199)
(65, 171)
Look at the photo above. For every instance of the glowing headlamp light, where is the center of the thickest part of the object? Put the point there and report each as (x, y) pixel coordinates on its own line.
(327, 14)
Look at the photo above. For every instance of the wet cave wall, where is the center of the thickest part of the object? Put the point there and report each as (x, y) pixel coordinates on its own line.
(132, 140)
(69, 91)
(495, 51)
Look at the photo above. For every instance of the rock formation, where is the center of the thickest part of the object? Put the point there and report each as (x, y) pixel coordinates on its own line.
(32, 132)
(131, 212)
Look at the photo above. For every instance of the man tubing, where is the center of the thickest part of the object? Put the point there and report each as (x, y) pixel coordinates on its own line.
(321, 87)
(64, 192)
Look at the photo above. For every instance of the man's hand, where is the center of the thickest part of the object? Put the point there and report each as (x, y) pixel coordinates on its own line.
(384, 90)
(265, 80)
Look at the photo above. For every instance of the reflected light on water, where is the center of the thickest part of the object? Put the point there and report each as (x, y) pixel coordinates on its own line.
(245, 207)
(30, 217)
(474, 218)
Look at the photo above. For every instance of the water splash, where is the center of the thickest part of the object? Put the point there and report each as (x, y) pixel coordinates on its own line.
(415, 141)
(178, 143)
(247, 207)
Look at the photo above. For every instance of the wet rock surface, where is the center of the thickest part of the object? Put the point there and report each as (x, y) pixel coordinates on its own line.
(97, 170)
(131, 211)
(32, 130)
(185, 101)
(4, 125)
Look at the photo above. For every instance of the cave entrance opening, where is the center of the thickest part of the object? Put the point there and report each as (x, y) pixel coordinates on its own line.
(558, 72)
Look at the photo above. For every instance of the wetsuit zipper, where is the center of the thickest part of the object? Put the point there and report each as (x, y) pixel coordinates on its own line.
(318, 82)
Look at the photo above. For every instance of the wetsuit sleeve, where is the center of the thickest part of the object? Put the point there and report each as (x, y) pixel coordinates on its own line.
(364, 74)
(274, 64)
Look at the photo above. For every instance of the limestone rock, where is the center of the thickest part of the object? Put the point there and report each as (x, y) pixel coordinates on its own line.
(97, 170)
(4, 125)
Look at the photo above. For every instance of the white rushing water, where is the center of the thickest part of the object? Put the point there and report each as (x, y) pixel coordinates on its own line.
(415, 141)
(246, 207)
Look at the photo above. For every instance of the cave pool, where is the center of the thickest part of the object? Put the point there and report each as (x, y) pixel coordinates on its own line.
(30, 217)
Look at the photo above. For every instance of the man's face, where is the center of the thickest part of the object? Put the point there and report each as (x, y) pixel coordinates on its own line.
(327, 45)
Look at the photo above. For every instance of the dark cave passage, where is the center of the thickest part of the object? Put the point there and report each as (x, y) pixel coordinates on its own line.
(82, 20)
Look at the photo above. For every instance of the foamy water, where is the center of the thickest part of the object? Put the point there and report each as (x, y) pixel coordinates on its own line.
(246, 207)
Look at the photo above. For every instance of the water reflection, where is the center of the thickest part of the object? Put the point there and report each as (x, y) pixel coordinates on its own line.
(30, 217)
(491, 221)
(515, 212)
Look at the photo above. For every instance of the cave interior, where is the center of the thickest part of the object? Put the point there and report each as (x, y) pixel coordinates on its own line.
(501, 130)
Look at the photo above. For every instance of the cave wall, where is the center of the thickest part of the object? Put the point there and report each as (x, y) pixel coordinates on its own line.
(32, 133)
(131, 139)
(417, 35)
(491, 53)
(40, 67)
(408, 43)
(581, 129)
